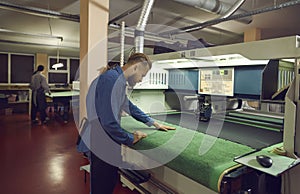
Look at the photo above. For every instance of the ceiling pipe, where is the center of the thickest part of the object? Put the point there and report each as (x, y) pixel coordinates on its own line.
(37, 44)
(232, 17)
(230, 12)
(233, 9)
(11, 32)
(39, 12)
(140, 28)
(214, 6)
(124, 14)
(150, 36)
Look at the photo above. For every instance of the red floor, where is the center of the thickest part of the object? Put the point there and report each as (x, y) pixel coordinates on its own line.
(41, 159)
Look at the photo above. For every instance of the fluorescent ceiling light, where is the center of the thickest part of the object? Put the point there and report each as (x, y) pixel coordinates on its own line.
(210, 61)
(289, 60)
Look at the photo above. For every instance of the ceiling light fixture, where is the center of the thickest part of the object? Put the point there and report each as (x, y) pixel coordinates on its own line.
(59, 41)
(58, 64)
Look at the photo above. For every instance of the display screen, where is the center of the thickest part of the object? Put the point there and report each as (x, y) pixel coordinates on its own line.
(216, 81)
(58, 78)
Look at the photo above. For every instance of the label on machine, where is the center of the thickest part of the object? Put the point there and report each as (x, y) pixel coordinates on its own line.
(216, 81)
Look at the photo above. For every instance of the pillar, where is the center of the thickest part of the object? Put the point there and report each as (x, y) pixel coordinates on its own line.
(252, 34)
(94, 16)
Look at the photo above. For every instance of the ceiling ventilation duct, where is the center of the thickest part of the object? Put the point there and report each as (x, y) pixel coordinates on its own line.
(38, 11)
(215, 6)
(140, 28)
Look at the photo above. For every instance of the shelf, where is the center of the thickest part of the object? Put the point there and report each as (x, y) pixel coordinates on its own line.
(273, 101)
(19, 102)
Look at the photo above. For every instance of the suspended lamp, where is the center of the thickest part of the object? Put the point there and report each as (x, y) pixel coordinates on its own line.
(58, 64)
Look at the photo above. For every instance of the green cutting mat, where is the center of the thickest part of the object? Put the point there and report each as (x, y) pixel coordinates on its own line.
(206, 168)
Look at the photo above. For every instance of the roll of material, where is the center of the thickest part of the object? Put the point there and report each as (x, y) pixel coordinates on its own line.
(187, 98)
(279, 151)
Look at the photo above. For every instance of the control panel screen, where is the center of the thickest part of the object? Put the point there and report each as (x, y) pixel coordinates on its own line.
(216, 81)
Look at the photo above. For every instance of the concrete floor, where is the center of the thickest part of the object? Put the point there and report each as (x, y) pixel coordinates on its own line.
(41, 159)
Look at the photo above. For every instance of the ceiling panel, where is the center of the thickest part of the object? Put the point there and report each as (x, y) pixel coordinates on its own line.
(273, 24)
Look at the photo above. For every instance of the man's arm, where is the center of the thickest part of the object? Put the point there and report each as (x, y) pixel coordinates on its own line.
(108, 105)
(139, 115)
(44, 84)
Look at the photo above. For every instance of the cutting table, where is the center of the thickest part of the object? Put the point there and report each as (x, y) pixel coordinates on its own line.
(62, 100)
(205, 158)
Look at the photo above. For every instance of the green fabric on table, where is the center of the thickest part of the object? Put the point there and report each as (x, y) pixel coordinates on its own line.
(203, 168)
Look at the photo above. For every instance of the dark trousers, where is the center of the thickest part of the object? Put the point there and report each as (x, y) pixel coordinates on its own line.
(103, 176)
(35, 110)
(40, 106)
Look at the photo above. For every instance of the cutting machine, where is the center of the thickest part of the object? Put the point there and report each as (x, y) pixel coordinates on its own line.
(229, 103)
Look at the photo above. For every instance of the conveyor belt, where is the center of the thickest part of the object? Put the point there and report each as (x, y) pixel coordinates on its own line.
(254, 137)
(260, 121)
(206, 168)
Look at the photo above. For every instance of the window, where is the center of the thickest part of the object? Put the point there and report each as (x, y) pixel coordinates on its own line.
(74, 69)
(22, 67)
(4, 68)
(61, 75)
(64, 75)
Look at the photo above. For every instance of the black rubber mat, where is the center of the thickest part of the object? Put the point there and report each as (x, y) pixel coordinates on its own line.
(254, 137)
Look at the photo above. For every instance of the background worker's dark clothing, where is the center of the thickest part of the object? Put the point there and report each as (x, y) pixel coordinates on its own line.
(39, 86)
(40, 105)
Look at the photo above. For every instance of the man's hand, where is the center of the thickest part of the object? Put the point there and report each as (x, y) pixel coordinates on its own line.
(163, 127)
(137, 135)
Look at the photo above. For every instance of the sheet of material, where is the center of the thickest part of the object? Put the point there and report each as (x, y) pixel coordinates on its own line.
(240, 133)
(291, 137)
(63, 94)
(205, 169)
(280, 163)
(289, 121)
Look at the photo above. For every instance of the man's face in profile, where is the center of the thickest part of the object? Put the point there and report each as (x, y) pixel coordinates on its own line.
(140, 72)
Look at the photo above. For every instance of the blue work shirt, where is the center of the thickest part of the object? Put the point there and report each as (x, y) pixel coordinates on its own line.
(110, 100)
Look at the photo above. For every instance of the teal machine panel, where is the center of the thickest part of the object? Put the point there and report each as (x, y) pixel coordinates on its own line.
(183, 79)
(248, 81)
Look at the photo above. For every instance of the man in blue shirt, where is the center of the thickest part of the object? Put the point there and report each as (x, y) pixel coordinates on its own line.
(107, 135)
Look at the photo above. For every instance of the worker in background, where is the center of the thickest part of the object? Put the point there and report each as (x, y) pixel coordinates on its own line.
(109, 100)
(39, 86)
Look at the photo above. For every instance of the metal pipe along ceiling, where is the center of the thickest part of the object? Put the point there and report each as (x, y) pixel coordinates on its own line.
(229, 13)
(233, 9)
(214, 6)
(39, 12)
(231, 17)
(235, 17)
(140, 28)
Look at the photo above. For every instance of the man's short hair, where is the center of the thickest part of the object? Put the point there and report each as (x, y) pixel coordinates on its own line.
(139, 57)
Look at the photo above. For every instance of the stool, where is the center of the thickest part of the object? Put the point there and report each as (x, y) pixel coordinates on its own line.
(86, 169)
